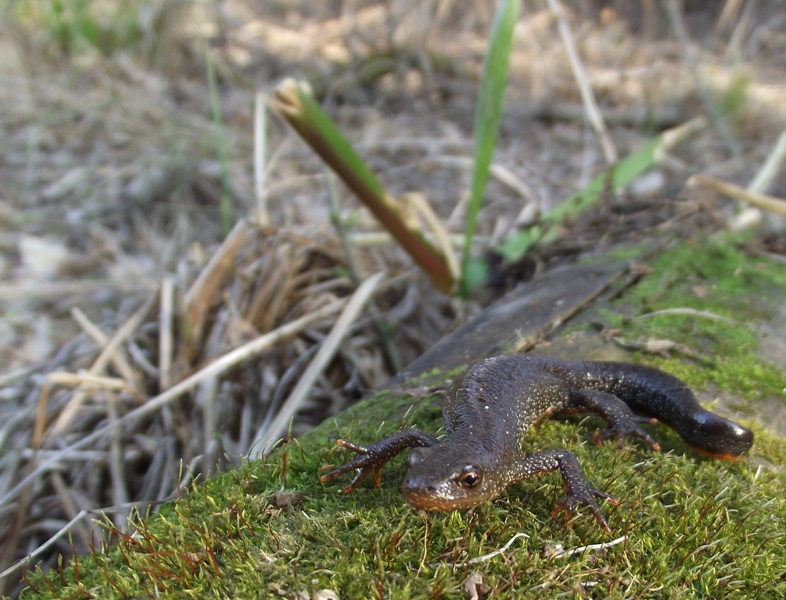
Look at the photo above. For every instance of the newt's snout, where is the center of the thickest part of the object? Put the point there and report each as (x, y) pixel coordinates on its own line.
(425, 493)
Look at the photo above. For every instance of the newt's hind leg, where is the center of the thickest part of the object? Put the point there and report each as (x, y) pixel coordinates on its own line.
(620, 420)
(371, 458)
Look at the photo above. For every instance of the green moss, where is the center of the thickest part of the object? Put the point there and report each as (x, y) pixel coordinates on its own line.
(695, 527)
(714, 277)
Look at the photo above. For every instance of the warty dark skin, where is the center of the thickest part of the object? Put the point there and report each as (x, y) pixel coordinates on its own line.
(489, 409)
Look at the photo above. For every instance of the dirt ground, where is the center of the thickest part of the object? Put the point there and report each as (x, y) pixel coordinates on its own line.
(121, 160)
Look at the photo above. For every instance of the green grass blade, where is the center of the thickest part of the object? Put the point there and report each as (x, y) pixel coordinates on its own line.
(227, 216)
(613, 179)
(487, 116)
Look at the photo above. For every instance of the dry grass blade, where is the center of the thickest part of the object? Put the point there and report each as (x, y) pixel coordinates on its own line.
(769, 169)
(202, 294)
(165, 336)
(585, 88)
(260, 144)
(92, 382)
(215, 368)
(266, 439)
(50, 289)
(119, 489)
(771, 203)
(65, 529)
(750, 215)
(101, 362)
(728, 15)
(496, 171)
(118, 358)
(423, 207)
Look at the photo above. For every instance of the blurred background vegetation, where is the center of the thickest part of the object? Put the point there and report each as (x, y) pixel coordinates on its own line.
(133, 138)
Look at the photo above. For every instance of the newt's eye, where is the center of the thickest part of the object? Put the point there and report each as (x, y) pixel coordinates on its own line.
(471, 477)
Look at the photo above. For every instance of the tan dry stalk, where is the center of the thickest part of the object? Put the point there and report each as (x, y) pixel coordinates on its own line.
(118, 358)
(69, 505)
(771, 203)
(165, 335)
(119, 490)
(202, 294)
(585, 87)
(49, 289)
(260, 144)
(100, 364)
(282, 264)
(267, 438)
(768, 171)
(93, 382)
(217, 367)
(728, 15)
(423, 207)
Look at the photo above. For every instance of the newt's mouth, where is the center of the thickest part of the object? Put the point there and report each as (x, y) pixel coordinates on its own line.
(440, 498)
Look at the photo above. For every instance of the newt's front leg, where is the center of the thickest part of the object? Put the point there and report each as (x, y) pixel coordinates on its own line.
(371, 458)
(577, 489)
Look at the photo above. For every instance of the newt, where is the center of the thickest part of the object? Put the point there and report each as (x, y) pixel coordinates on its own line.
(488, 410)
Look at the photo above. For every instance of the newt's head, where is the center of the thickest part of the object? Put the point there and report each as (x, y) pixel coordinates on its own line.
(437, 481)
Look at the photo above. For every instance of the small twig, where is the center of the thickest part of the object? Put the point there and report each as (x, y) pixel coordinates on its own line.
(562, 553)
(585, 88)
(267, 438)
(672, 137)
(485, 557)
(662, 348)
(692, 312)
